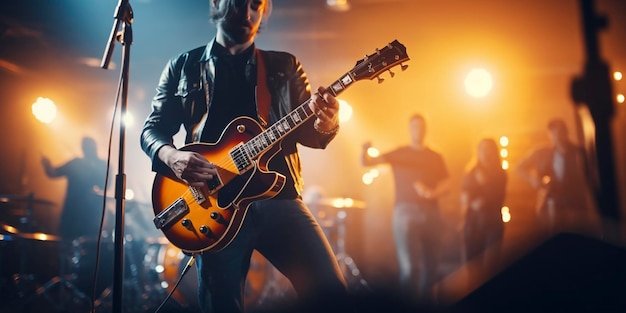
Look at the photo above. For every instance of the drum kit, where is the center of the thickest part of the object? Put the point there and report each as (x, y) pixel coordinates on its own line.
(40, 270)
(19, 266)
(44, 272)
(332, 214)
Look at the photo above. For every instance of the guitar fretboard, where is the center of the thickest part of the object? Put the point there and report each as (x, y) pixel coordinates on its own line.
(245, 153)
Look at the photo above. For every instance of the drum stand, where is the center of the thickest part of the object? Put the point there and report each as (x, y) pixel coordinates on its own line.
(349, 269)
(28, 289)
(65, 284)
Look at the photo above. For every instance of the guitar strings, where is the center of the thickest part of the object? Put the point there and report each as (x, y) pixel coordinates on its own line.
(240, 155)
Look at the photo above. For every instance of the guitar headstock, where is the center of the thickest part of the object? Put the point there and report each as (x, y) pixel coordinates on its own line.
(380, 61)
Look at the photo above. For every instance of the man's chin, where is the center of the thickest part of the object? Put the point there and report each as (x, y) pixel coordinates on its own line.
(240, 37)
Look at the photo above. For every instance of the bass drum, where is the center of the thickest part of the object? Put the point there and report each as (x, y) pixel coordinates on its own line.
(166, 262)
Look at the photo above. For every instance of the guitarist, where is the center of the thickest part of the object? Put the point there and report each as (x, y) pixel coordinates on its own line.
(203, 90)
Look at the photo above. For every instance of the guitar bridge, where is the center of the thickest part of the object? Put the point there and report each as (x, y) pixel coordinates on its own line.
(197, 195)
(174, 212)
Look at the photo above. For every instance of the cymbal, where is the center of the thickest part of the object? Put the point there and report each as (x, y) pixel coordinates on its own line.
(340, 203)
(38, 236)
(24, 199)
(8, 228)
(14, 233)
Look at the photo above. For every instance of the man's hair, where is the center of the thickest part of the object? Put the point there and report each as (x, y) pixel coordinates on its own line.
(417, 116)
(223, 8)
(556, 123)
(89, 146)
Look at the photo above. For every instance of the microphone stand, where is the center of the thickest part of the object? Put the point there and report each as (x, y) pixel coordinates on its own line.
(123, 16)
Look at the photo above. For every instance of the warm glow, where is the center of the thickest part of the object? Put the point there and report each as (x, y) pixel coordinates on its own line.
(617, 75)
(373, 152)
(346, 203)
(374, 172)
(478, 83)
(95, 63)
(343, 202)
(504, 141)
(345, 111)
(504, 152)
(129, 120)
(367, 178)
(10, 229)
(44, 110)
(41, 236)
(620, 98)
(338, 5)
(505, 164)
(129, 194)
(506, 214)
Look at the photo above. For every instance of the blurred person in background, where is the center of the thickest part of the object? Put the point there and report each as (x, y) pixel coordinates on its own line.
(420, 179)
(483, 191)
(557, 172)
(85, 176)
(81, 216)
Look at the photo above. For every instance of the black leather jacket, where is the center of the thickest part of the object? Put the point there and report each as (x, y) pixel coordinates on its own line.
(183, 97)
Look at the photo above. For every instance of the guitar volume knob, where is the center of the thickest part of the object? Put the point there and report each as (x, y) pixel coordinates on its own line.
(204, 230)
(219, 218)
(186, 223)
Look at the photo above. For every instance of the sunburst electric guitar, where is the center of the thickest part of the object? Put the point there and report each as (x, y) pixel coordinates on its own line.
(209, 218)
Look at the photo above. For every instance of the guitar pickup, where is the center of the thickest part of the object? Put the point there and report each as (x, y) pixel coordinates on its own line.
(173, 213)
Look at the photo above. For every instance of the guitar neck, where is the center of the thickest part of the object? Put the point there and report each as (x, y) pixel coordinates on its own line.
(277, 131)
(369, 67)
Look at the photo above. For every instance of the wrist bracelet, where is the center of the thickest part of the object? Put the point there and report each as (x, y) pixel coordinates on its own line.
(325, 132)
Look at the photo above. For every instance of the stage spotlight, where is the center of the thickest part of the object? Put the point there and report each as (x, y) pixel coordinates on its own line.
(506, 214)
(504, 141)
(338, 5)
(129, 119)
(373, 152)
(345, 111)
(478, 83)
(367, 178)
(44, 110)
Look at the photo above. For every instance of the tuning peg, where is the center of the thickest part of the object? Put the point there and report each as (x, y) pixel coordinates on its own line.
(403, 66)
(380, 79)
(391, 73)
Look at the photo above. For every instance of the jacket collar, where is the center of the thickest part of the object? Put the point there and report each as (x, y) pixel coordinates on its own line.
(208, 54)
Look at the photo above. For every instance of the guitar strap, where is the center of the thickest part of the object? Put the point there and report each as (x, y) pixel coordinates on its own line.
(262, 94)
(263, 98)
(209, 67)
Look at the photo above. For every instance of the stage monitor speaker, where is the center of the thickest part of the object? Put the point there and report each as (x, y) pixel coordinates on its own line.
(566, 273)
